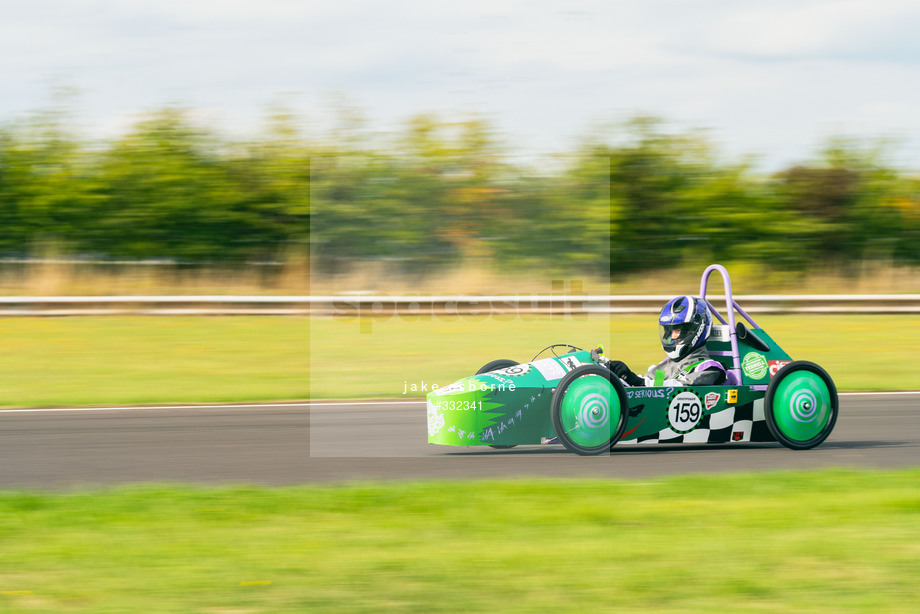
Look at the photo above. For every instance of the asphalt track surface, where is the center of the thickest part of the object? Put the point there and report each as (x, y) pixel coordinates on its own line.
(325, 442)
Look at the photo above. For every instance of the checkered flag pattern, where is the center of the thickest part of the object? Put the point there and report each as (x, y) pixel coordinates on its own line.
(741, 423)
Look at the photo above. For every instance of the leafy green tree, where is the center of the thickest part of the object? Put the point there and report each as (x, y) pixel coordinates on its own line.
(846, 199)
(46, 184)
(441, 193)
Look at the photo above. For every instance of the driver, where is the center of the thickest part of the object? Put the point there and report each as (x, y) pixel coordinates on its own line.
(684, 325)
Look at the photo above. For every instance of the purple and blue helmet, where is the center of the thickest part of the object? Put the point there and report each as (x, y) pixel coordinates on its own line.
(684, 324)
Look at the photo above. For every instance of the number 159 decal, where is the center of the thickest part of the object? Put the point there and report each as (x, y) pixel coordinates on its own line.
(684, 412)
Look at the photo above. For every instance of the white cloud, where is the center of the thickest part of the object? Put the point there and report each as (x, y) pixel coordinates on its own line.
(768, 80)
(836, 28)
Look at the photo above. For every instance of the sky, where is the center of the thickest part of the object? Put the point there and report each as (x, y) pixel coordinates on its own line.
(770, 80)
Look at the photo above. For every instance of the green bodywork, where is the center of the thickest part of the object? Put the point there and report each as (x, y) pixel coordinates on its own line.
(505, 407)
(511, 406)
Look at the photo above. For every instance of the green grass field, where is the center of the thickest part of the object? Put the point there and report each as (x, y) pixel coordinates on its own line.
(832, 541)
(377, 358)
(115, 360)
(136, 360)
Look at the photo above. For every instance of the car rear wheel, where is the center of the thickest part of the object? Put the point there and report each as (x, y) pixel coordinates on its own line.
(589, 410)
(800, 406)
(495, 365)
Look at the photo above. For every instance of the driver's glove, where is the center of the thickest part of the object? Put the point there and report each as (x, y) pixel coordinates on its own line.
(620, 369)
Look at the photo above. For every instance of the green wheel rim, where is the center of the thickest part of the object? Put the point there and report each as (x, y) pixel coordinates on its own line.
(590, 411)
(801, 405)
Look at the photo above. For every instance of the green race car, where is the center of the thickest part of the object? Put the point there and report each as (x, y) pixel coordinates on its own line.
(766, 397)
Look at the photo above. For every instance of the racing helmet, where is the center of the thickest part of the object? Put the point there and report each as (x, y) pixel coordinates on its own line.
(690, 318)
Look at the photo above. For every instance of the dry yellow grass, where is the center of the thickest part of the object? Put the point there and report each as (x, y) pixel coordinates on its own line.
(67, 278)
(62, 277)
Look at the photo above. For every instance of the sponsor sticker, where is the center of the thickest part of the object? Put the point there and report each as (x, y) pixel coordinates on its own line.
(455, 387)
(737, 435)
(500, 378)
(731, 396)
(754, 365)
(570, 362)
(435, 420)
(712, 399)
(719, 332)
(776, 365)
(685, 412)
(646, 393)
(550, 369)
(515, 370)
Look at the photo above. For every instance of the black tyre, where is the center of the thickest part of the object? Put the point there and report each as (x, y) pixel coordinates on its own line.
(589, 410)
(495, 365)
(800, 406)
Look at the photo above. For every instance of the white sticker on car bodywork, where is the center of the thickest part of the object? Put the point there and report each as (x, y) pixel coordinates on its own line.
(570, 363)
(550, 369)
(515, 370)
(684, 412)
(720, 332)
(455, 387)
(435, 420)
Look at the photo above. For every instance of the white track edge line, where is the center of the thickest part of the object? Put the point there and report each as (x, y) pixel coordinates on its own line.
(879, 393)
(238, 406)
(407, 402)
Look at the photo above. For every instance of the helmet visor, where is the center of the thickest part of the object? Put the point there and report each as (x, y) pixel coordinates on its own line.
(672, 334)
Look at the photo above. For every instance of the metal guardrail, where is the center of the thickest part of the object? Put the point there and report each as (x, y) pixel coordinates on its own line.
(384, 306)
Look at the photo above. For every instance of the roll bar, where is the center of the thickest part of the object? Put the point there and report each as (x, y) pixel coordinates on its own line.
(731, 306)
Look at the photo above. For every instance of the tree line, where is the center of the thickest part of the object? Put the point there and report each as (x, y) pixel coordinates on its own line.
(439, 193)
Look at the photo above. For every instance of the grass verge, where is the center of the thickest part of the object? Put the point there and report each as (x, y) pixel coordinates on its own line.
(381, 357)
(136, 360)
(830, 541)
